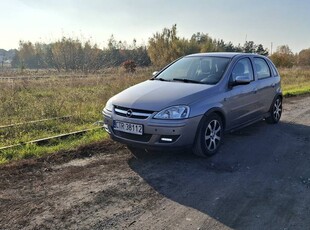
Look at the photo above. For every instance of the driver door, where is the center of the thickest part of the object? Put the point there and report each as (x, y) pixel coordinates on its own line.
(242, 100)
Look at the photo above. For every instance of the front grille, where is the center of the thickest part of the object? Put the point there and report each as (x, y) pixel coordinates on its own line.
(132, 113)
(129, 136)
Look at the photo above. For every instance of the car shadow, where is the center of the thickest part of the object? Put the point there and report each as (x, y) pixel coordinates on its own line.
(260, 178)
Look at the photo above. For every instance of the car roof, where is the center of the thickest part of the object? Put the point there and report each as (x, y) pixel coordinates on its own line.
(222, 54)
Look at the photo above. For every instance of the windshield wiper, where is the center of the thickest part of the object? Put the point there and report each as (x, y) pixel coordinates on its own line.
(159, 79)
(187, 80)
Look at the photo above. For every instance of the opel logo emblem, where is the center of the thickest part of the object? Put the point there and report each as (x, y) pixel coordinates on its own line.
(129, 113)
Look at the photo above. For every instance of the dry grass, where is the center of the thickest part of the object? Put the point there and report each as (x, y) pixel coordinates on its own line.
(25, 100)
(295, 81)
(31, 99)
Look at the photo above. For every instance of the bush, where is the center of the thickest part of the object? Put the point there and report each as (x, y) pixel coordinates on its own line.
(129, 66)
(304, 57)
(283, 57)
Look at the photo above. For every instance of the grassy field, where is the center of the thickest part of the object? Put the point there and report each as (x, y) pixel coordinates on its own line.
(81, 97)
(295, 81)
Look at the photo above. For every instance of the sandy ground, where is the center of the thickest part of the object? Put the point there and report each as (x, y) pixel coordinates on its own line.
(260, 179)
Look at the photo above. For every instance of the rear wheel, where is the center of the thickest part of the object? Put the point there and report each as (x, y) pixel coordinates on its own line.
(209, 136)
(275, 111)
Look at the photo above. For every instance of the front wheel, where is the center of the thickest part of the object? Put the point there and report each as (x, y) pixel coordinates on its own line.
(209, 136)
(275, 111)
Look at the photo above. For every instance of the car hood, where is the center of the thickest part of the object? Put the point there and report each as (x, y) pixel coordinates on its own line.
(156, 95)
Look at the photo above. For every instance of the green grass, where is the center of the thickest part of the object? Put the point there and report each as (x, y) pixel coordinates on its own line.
(28, 132)
(295, 81)
(83, 98)
(34, 150)
(296, 91)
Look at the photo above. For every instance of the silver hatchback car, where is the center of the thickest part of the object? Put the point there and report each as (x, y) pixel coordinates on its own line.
(194, 100)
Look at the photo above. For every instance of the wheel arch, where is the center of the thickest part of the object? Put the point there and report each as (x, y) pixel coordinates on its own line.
(271, 119)
(219, 112)
(275, 97)
(215, 110)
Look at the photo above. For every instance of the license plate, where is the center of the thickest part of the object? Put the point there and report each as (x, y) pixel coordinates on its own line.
(128, 127)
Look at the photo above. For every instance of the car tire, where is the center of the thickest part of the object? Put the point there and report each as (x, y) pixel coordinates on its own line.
(275, 111)
(209, 136)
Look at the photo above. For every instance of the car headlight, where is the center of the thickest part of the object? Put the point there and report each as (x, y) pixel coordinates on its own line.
(173, 112)
(109, 106)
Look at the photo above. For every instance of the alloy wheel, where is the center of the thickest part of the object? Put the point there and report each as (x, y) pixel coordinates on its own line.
(213, 135)
(277, 109)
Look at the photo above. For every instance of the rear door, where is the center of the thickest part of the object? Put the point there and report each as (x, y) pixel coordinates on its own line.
(266, 86)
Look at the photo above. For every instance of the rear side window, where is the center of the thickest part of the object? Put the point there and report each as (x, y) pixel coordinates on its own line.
(274, 70)
(261, 68)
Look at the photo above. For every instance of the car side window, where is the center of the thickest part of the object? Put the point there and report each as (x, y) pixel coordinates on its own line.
(261, 68)
(243, 68)
(274, 70)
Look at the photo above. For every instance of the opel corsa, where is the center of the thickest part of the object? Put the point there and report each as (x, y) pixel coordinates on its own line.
(194, 100)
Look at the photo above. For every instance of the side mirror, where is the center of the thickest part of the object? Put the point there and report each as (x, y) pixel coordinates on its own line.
(240, 80)
(155, 73)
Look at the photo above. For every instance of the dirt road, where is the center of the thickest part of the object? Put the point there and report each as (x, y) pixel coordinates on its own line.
(260, 179)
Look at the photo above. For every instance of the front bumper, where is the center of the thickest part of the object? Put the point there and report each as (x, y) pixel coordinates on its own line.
(156, 133)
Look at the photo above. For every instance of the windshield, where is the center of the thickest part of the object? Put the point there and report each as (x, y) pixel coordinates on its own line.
(206, 70)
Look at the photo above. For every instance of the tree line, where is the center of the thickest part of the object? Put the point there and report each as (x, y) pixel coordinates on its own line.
(166, 46)
(68, 54)
(284, 57)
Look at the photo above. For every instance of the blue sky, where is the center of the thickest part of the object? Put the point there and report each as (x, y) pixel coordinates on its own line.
(262, 21)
